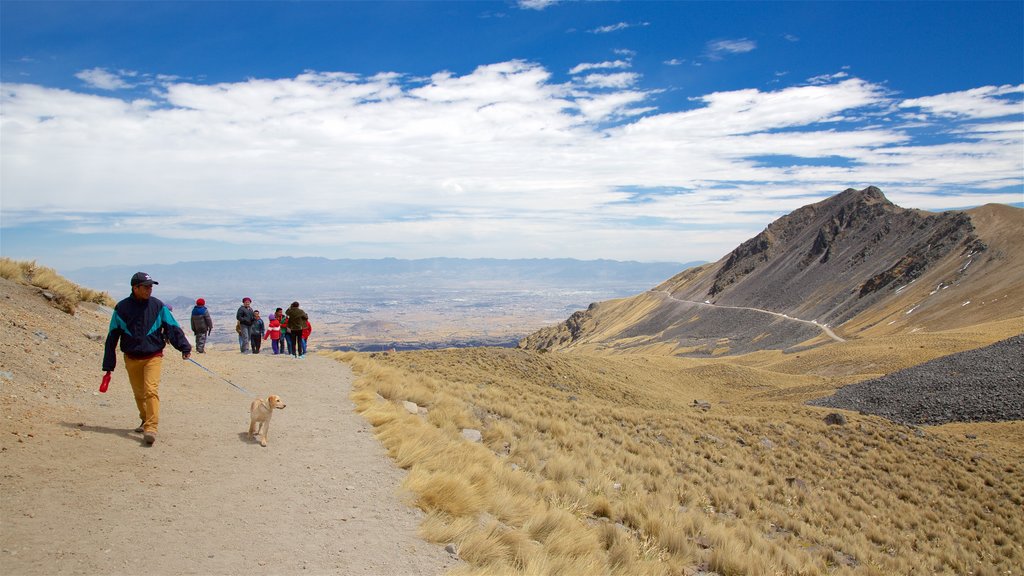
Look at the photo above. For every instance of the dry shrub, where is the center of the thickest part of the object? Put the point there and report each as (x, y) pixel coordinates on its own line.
(547, 522)
(379, 413)
(672, 537)
(444, 528)
(12, 270)
(559, 468)
(601, 507)
(410, 449)
(486, 547)
(66, 295)
(449, 414)
(574, 542)
(512, 507)
(622, 557)
(444, 492)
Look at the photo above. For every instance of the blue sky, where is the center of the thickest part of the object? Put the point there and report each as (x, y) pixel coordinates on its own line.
(158, 132)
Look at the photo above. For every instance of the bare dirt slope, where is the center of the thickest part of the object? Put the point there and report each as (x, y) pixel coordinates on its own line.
(82, 494)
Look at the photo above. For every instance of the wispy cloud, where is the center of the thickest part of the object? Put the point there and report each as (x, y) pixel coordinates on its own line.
(827, 78)
(620, 80)
(618, 26)
(985, 102)
(599, 66)
(718, 49)
(388, 165)
(104, 79)
(535, 4)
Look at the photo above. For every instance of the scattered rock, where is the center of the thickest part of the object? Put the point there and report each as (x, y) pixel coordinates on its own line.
(702, 405)
(472, 435)
(411, 407)
(835, 419)
(979, 385)
(797, 483)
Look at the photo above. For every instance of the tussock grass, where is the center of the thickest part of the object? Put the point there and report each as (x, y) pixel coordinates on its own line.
(602, 465)
(65, 295)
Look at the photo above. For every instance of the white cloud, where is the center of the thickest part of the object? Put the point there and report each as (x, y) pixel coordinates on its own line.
(620, 80)
(618, 26)
(717, 49)
(984, 102)
(827, 78)
(584, 67)
(104, 79)
(535, 4)
(501, 161)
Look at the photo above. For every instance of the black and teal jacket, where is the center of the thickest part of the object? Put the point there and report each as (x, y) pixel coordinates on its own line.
(143, 327)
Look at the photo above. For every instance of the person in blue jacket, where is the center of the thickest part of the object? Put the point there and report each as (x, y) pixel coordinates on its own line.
(143, 325)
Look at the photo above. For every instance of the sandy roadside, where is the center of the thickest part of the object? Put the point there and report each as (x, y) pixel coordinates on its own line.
(82, 494)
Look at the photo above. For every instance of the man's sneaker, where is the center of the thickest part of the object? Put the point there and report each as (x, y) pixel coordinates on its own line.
(302, 356)
(149, 437)
(140, 429)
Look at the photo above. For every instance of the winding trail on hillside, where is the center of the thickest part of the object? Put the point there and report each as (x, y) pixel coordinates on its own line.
(828, 331)
(82, 493)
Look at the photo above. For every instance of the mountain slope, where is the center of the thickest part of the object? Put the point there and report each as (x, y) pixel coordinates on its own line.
(855, 262)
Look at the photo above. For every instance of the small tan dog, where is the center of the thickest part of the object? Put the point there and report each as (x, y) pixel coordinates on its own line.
(260, 412)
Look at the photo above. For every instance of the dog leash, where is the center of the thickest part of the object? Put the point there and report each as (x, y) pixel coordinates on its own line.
(221, 377)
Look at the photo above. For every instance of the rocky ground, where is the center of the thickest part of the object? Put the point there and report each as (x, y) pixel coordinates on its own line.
(983, 385)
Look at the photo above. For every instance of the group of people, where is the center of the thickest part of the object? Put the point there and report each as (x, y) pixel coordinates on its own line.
(143, 326)
(286, 327)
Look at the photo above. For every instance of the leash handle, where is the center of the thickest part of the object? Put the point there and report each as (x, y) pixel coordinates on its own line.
(243, 390)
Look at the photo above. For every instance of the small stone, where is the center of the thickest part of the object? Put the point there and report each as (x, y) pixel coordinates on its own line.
(835, 419)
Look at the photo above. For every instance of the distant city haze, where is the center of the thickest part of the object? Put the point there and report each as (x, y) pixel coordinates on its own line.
(392, 303)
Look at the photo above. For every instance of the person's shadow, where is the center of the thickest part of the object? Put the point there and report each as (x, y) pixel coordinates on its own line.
(122, 432)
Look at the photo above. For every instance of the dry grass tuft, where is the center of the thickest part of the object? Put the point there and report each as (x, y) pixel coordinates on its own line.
(64, 294)
(602, 465)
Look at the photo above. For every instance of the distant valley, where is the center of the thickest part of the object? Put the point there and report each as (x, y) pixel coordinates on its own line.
(393, 303)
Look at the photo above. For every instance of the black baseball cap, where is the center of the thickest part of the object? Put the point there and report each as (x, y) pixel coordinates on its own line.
(143, 279)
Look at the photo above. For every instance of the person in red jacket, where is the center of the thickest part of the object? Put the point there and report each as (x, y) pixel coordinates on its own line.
(274, 332)
(305, 335)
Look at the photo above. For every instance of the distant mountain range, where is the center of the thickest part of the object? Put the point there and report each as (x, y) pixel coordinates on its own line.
(301, 278)
(855, 262)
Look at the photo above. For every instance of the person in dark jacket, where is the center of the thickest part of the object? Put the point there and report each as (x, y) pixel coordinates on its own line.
(256, 332)
(296, 324)
(202, 324)
(143, 325)
(245, 319)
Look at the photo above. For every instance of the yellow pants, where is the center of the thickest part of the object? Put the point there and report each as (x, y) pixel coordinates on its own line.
(145, 378)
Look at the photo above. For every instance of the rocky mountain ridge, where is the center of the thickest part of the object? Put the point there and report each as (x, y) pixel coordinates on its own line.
(854, 262)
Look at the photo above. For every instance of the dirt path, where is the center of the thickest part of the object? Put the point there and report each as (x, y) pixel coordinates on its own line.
(82, 494)
(828, 331)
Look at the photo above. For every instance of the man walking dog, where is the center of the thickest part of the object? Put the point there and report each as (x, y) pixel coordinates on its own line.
(143, 325)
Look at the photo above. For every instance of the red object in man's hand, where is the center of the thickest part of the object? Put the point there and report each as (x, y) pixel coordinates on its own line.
(105, 382)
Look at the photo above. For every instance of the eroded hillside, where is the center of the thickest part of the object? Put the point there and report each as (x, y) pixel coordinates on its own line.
(854, 263)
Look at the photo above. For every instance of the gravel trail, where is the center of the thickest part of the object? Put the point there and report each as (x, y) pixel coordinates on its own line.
(83, 494)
